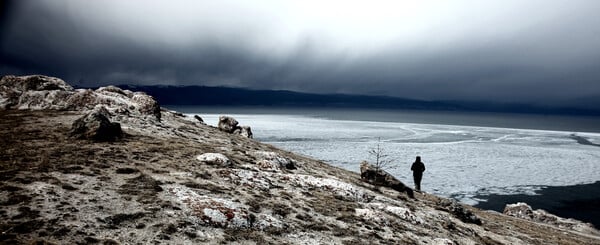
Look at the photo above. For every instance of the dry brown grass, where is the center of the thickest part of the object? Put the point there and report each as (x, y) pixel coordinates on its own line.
(118, 187)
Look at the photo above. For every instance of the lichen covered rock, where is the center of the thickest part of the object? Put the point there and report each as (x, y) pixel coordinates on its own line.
(96, 126)
(35, 83)
(227, 124)
(524, 211)
(35, 92)
(271, 161)
(214, 159)
(146, 105)
(219, 212)
(230, 125)
(41, 93)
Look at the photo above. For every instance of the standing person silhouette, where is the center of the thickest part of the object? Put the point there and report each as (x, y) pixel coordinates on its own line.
(418, 168)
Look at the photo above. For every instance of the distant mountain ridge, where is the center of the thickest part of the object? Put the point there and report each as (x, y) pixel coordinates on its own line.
(225, 96)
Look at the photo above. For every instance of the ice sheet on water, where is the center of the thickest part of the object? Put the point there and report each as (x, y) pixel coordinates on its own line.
(461, 161)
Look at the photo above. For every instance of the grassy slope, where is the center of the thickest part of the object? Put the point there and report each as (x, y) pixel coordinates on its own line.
(61, 190)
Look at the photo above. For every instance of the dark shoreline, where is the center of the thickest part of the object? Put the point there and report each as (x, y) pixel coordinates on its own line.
(577, 124)
(579, 202)
(583, 140)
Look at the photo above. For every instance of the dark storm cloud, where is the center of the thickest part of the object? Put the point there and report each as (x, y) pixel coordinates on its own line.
(533, 51)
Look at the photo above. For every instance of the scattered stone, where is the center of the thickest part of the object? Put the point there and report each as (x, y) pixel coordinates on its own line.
(199, 119)
(214, 159)
(458, 211)
(378, 177)
(524, 211)
(96, 126)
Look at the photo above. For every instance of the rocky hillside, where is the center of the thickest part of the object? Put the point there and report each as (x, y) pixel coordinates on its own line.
(166, 178)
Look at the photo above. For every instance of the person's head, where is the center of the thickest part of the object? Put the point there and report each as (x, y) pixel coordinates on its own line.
(418, 159)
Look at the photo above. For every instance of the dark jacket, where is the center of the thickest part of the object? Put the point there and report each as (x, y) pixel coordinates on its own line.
(418, 167)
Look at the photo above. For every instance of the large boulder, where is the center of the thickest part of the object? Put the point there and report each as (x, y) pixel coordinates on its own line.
(227, 124)
(35, 82)
(136, 101)
(33, 92)
(230, 125)
(146, 105)
(524, 211)
(96, 126)
(41, 92)
(378, 177)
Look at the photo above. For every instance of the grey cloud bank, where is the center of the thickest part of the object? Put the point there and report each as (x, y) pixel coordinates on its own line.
(539, 52)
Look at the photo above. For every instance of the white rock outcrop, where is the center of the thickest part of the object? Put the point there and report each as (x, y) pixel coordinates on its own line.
(219, 212)
(271, 161)
(214, 159)
(524, 211)
(38, 92)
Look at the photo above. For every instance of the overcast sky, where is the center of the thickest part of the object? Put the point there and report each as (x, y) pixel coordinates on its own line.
(543, 52)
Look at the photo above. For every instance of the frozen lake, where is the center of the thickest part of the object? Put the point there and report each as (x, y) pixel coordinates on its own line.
(462, 161)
